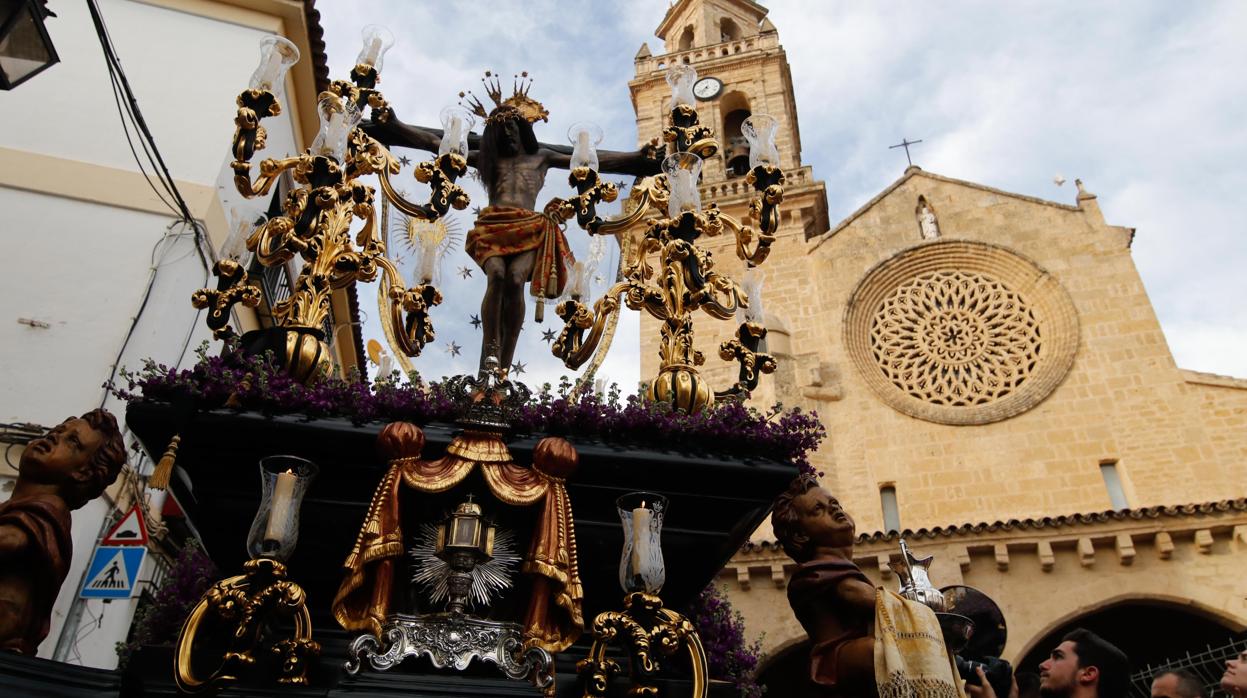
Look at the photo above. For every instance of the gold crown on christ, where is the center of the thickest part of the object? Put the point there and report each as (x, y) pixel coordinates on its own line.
(519, 104)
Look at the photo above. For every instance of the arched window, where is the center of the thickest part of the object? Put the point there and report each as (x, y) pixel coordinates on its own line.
(735, 109)
(728, 30)
(891, 512)
(686, 39)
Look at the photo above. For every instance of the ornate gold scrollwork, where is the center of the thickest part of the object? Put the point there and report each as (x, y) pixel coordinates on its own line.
(249, 135)
(684, 280)
(572, 346)
(316, 217)
(590, 191)
(687, 135)
(232, 287)
(769, 183)
(744, 349)
(245, 605)
(649, 634)
(440, 175)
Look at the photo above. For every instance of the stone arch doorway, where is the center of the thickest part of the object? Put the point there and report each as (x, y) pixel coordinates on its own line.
(1151, 631)
(786, 670)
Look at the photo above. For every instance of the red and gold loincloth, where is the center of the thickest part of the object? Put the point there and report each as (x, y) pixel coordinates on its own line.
(504, 231)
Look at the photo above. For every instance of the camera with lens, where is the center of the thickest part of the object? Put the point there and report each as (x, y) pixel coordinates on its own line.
(998, 671)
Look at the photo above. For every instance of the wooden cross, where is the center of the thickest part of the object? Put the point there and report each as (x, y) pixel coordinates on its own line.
(905, 143)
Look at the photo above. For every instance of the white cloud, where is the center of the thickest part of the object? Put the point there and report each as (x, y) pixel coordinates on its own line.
(1144, 100)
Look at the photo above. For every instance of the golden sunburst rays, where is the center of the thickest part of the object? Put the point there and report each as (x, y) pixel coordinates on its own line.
(424, 245)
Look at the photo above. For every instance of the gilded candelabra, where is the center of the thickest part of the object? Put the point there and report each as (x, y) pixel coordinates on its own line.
(646, 631)
(317, 214)
(684, 279)
(234, 624)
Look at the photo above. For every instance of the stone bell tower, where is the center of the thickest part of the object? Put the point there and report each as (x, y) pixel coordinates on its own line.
(742, 70)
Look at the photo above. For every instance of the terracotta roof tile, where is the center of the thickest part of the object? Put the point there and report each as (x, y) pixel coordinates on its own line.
(316, 40)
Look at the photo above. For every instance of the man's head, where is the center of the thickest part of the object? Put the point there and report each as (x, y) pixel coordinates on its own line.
(81, 456)
(1177, 683)
(506, 134)
(806, 517)
(1234, 681)
(1084, 664)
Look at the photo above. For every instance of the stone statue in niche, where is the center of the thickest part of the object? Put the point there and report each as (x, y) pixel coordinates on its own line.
(62, 471)
(927, 223)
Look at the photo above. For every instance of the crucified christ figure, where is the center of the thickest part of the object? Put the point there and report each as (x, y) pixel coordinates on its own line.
(513, 242)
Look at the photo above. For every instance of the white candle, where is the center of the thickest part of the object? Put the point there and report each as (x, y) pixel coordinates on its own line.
(272, 67)
(683, 193)
(641, 518)
(751, 284)
(374, 50)
(450, 139)
(576, 288)
(582, 149)
(456, 131)
(279, 512)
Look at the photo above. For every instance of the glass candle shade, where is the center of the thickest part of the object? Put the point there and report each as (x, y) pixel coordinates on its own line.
(751, 285)
(337, 119)
(682, 170)
(641, 566)
(585, 268)
(275, 530)
(759, 130)
(578, 280)
(377, 40)
(681, 77)
(456, 122)
(277, 54)
(585, 137)
(427, 238)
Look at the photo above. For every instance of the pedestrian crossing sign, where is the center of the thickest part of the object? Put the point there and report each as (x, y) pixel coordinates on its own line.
(112, 572)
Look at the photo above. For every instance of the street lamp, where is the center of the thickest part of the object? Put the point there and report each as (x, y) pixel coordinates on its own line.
(25, 47)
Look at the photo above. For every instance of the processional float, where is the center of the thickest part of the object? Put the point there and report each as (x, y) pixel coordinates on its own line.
(494, 576)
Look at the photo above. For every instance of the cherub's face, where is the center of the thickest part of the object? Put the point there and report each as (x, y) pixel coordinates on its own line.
(62, 453)
(823, 520)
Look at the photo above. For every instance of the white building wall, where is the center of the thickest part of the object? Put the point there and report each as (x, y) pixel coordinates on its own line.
(80, 231)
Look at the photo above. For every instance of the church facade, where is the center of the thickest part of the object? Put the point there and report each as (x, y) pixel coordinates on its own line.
(995, 385)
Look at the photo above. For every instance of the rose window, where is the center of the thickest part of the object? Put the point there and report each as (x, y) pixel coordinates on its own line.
(961, 332)
(957, 339)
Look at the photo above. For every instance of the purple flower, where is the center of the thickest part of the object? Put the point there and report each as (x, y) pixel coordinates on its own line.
(256, 383)
(722, 631)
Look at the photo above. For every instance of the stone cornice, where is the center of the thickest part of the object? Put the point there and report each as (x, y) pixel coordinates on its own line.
(1215, 379)
(1184, 517)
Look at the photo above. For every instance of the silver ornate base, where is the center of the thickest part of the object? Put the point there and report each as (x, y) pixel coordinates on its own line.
(453, 642)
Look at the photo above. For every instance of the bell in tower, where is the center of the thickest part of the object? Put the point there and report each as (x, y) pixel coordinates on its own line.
(737, 154)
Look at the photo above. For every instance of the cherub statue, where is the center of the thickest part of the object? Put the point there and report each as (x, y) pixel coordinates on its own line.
(73, 464)
(866, 641)
(832, 599)
(512, 242)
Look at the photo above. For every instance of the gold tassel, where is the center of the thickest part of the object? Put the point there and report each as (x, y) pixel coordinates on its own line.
(540, 313)
(164, 469)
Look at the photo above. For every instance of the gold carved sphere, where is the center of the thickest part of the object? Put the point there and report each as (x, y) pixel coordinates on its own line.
(961, 332)
(682, 387)
(307, 355)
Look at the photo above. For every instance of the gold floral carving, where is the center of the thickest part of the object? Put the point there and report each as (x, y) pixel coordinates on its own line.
(961, 332)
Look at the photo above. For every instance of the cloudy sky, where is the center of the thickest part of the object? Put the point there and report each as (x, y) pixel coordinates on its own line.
(1138, 98)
